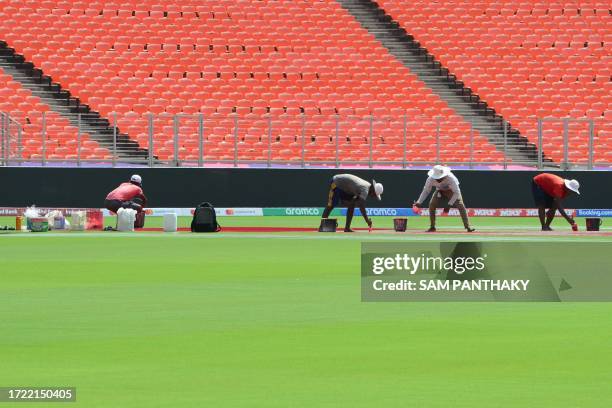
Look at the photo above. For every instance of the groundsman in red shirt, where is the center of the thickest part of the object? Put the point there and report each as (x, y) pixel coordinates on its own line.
(548, 192)
(127, 195)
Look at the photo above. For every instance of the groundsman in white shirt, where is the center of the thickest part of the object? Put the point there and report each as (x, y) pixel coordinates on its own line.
(447, 194)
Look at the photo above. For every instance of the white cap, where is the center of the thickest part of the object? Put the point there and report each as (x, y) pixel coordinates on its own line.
(136, 179)
(378, 189)
(439, 171)
(573, 185)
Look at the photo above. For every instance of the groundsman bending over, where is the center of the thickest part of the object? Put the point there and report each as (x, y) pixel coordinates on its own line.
(351, 191)
(447, 194)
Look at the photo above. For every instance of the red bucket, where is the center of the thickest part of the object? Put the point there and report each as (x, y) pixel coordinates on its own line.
(399, 224)
(95, 220)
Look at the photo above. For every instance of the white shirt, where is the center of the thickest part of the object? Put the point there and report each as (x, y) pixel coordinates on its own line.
(450, 182)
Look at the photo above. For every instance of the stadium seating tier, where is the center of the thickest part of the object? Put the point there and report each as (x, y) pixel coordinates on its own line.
(526, 60)
(130, 59)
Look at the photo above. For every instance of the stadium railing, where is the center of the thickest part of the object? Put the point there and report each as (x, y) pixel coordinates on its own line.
(11, 132)
(268, 140)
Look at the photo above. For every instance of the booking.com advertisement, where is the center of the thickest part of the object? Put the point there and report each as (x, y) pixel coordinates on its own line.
(485, 271)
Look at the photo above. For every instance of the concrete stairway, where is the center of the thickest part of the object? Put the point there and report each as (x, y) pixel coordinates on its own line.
(61, 101)
(460, 98)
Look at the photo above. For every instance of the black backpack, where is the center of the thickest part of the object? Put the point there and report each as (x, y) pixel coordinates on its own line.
(205, 219)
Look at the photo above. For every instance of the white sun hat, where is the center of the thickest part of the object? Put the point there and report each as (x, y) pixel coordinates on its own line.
(439, 171)
(573, 185)
(378, 189)
(136, 179)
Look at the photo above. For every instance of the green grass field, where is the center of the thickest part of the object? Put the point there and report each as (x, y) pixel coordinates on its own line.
(275, 320)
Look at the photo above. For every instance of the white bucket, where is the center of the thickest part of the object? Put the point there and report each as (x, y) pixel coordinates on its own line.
(125, 219)
(78, 221)
(170, 222)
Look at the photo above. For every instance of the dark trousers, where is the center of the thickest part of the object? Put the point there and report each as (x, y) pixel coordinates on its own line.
(115, 205)
(540, 198)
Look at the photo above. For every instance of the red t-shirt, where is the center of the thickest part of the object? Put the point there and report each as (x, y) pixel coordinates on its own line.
(127, 192)
(552, 185)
